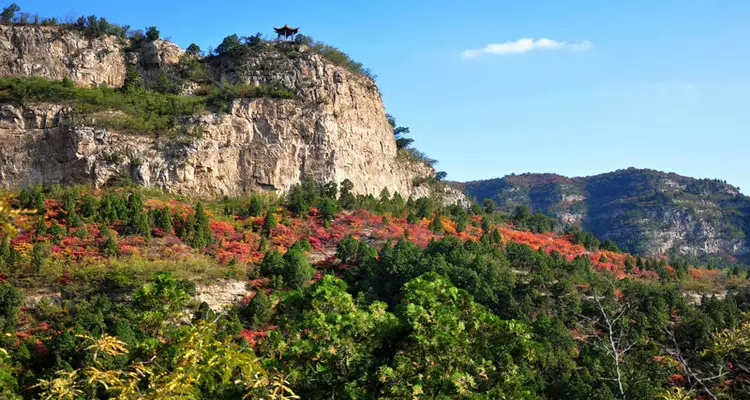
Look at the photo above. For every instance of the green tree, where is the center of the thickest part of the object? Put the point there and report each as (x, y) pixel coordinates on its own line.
(454, 348)
(346, 250)
(40, 252)
(193, 49)
(88, 206)
(272, 264)
(152, 33)
(399, 132)
(269, 222)
(297, 269)
(163, 219)
(231, 44)
(346, 196)
(9, 13)
(327, 208)
(332, 345)
(11, 300)
(201, 229)
(108, 246)
(437, 224)
(258, 310)
(255, 207)
(331, 190)
(488, 206)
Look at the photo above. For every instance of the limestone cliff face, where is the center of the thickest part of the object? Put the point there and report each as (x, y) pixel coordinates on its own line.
(57, 53)
(334, 129)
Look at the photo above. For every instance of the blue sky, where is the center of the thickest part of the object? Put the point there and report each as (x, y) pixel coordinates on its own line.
(650, 84)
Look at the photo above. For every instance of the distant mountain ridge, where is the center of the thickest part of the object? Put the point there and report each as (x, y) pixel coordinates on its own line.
(644, 211)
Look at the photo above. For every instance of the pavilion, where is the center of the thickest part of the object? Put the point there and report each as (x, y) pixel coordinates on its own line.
(286, 31)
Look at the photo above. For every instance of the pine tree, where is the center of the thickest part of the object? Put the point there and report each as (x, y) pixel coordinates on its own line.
(201, 228)
(258, 311)
(56, 231)
(108, 246)
(297, 269)
(39, 254)
(346, 197)
(88, 206)
(255, 207)
(437, 224)
(163, 219)
(39, 202)
(5, 251)
(269, 223)
(272, 264)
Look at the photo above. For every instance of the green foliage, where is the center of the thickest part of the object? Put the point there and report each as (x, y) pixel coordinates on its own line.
(220, 98)
(255, 209)
(11, 300)
(195, 230)
(269, 222)
(297, 269)
(193, 49)
(9, 13)
(335, 56)
(230, 45)
(272, 264)
(346, 197)
(258, 311)
(333, 344)
(427, 316)
(162, 218)
(437, 224)
(39, 255)
(455, 348)
(162, 300)
(152, 33)
(137, 110)
(108, 245)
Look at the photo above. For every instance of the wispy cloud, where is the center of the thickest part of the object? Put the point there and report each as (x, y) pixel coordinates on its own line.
(526, 45)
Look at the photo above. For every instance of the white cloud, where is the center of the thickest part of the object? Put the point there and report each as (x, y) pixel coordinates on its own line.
(525, 45)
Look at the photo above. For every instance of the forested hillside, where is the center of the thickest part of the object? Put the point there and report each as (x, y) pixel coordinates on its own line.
(346, 297)
(644, 211)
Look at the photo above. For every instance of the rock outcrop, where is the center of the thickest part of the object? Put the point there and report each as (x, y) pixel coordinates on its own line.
(334, 129)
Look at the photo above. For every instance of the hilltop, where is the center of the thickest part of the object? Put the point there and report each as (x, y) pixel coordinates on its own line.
(88, 102)
(644, 211)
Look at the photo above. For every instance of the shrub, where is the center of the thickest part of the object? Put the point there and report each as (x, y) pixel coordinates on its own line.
(138, 109)
(152, 33)
(335, 56)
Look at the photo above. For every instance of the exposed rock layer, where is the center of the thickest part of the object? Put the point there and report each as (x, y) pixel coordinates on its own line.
(334, 129)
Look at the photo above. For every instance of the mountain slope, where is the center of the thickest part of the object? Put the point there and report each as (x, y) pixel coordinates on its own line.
(644, 211)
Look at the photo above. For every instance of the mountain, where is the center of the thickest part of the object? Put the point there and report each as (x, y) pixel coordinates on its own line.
(193, 263)
(644, 211)
(258, 115)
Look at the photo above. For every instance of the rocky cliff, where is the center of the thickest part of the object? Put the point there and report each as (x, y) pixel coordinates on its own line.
(644, 211)
(335, 128)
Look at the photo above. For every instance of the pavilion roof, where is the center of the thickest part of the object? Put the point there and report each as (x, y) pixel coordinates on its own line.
(286, 28)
